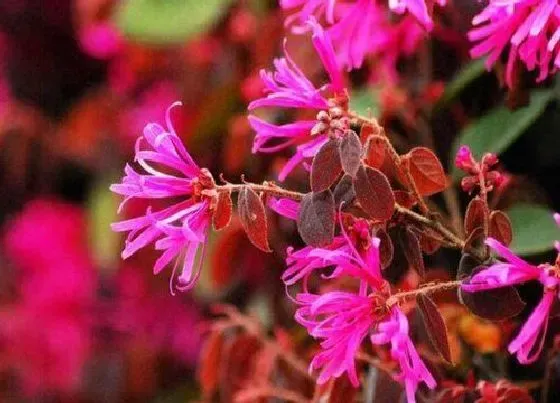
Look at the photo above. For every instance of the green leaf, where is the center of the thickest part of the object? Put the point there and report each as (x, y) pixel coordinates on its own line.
(497, 130)
(162, 22)
(365, 102)
(105, 244)
(464, 77)
(534, 229)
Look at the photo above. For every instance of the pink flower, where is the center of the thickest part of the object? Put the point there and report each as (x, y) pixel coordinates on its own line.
(164, 323)
(57, 288)
(288, 87)
(361, 27)
(340, 319)
(343, 319)
(531, 29)
(343, 254)
(100, 40)
(413, 370)
(529, 342)
(180, 229)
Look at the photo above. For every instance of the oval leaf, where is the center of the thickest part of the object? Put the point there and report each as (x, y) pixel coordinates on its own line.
(490, 134)
(222, 212)
(375, 152)
(316, 218)
(351, 153)
(426, 170)
(498, 304)
(253, 218)
(165, 22)
(500, 227)
(210, 360)
(386, 248)
(534, 229)
(475, 215)
(326, 166)
(412, 250)
(434, 325)
(374, 193)
(344, 192)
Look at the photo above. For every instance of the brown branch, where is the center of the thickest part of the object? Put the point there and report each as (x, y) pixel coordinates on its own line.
(426, 290)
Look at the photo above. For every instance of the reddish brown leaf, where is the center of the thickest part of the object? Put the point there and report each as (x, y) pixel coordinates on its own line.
(497, 304)
(222, 212)
(430, 240)
(253, 218)
(434, 325)
(475, 240)
(239, 358)
(475, 215)
(374, 193)
(316, 218)
(412, 250)
(326, 166)
(399, 264)
(342, 391)
(368, 130)
(375, 153)
(351, 153)
(386, 249)
(405, 199)
(467, 265)
(344, 192)
(426, 170)
(209, 366)
(500, 227)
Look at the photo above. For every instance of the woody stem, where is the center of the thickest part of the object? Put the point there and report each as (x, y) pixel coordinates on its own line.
(424, 290)
(450, 238)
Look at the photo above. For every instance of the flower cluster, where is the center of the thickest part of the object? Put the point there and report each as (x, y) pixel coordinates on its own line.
(180, 229)
(479, 172)
(288, 87)
(530, 340)
(531, 30)
(361, 27)
(342, 319)
(50, 324)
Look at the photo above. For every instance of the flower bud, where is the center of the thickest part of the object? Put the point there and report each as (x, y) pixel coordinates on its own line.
(464, 160)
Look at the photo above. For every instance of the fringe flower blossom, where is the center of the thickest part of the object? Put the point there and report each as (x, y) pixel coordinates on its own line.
(288, 87)
(361, 27)
(169, 174)
(529, 342)
(343, 319)
(531, 29)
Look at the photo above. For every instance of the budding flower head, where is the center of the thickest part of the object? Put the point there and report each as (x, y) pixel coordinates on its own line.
(464, 159)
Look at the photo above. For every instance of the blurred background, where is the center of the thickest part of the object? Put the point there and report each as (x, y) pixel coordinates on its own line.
(79, 79)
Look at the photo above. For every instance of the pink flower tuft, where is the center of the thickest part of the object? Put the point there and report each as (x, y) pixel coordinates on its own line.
(529, 28)
(413, 370)
(180, 229)
(288, 87)
(529, 342)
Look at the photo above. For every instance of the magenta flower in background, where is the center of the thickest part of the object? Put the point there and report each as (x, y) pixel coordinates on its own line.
(362, 27)
(169, 172)
(529, 342)
(288, 87)
(164, 323)
(100, 40)
(394, 330)
(530, 29)
(48, 328)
